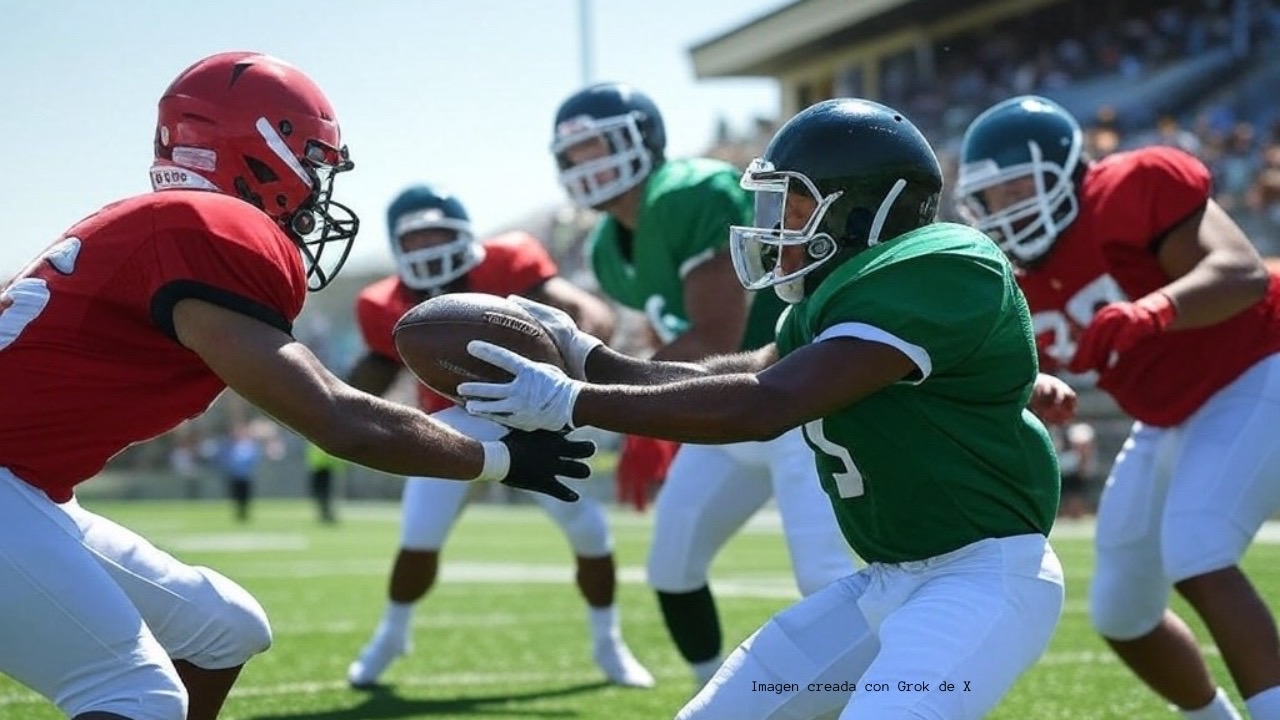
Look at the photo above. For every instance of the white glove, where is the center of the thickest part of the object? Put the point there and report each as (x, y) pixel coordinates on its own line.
(574, 344)
(539, 397)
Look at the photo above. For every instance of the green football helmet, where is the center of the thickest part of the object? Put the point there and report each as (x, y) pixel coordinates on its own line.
(871, 173)
(1026, 137)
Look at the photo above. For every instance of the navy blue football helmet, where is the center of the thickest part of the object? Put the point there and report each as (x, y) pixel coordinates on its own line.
(1026, 138)
(870, 173)
(421, 207)
(629, 128)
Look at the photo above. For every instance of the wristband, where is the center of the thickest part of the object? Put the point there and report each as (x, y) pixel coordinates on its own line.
(497, 461)
(1161, 307)
(584, 345)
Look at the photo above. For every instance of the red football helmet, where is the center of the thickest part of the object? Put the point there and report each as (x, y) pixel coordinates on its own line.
(256, 127)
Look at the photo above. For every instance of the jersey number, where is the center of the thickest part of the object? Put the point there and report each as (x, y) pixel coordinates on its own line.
(849, 480)
(25, 298)
(1080, 309)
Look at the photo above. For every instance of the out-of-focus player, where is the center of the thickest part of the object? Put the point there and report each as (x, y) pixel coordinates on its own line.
(437, 253)
(135, 320)
(1132, 271)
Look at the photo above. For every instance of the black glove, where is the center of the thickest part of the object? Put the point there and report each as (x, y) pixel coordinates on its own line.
(538, 456)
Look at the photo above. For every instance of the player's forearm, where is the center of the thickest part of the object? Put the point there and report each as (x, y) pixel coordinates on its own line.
(397, 439)
(1215, 290)
(609, 367)
(711, 409)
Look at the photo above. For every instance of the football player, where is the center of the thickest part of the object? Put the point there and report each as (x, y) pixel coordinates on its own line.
(135, 320)
(661, 247)
(1133, 272)
(913, 405)
(436, 253)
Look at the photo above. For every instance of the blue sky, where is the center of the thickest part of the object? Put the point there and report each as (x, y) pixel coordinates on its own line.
(459, 92)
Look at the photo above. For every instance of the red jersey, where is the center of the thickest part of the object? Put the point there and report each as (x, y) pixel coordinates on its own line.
(1128, 202)
(514, 264)
(88, 355)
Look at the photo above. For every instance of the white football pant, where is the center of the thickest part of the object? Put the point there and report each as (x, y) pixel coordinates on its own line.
(430, 506)
(1187, 500)
(94, 612)
(711, 491)
(939, 639)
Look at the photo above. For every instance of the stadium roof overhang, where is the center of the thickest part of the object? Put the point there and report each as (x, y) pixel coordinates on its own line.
(805, 30)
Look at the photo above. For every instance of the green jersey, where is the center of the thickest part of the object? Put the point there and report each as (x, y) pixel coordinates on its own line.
(685, 214)
(950, 455)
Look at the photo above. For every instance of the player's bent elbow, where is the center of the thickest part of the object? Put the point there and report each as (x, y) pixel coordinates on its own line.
(758, 425)
(1255, 282)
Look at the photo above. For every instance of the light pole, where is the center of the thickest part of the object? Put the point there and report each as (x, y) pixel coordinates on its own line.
(586, 52)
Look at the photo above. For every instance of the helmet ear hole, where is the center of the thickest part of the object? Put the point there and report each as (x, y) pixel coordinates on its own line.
(261, 171)
(247, 194)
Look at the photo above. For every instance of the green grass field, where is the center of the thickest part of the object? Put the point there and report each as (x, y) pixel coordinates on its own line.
(504, 635)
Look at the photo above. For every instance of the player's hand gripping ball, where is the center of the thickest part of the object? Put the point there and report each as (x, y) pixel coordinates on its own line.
(432, 339)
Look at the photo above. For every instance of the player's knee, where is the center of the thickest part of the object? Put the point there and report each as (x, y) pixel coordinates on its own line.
(676, 574)
(1194, 546)
(681, 552)
(236, 626)
(1124, 606)
(147, 691)
(588, 532)
(170, 704)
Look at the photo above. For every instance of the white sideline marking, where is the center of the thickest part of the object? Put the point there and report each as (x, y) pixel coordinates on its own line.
(234, 542)
(23, 696)
(764, 523)
(762, 585)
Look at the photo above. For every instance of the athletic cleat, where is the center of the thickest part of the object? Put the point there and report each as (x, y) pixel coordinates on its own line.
(620, 666)
(375, 658)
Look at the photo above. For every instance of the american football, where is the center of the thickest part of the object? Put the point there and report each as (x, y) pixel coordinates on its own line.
(432, 338)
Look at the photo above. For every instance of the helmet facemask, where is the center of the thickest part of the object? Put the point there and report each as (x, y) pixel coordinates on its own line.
(625, 164)
(1027, 228)
(430, 268)
(323, 228)
(758, 250)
